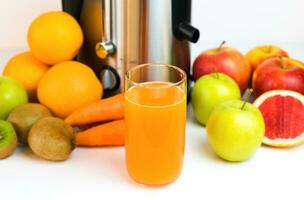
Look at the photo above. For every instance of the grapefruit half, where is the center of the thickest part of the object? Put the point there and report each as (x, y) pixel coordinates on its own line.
(283, 112)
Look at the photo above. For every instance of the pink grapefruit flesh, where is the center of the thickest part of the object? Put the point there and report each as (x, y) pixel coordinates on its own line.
(283, 112)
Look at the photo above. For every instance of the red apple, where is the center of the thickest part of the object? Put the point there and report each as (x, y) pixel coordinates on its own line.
(226, 60)
(278, 73)
(258, 54)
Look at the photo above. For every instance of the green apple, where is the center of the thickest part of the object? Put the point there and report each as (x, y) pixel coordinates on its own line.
(210, 90)
(12, 94)
(235, 130)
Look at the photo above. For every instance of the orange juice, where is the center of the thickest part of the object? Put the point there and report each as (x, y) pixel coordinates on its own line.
(156, 119)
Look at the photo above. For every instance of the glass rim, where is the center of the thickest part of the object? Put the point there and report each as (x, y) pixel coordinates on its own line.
(172, 84)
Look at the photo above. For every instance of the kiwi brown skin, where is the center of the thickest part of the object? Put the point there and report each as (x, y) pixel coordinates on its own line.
(24, 117)
(52, 139)
(7, 136)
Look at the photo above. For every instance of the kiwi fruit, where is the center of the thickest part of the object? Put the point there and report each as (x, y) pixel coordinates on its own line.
(8, 139)
(52, 139)
(23, 117)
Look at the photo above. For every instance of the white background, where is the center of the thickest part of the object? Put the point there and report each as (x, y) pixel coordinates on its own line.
(101, 173)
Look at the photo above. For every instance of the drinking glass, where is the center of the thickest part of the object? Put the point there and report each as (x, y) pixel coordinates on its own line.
(155, 115)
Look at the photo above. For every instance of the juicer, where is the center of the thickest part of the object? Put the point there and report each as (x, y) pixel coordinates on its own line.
(119, 34)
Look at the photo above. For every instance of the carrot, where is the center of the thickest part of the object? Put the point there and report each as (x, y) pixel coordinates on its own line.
(108, 134)
(108, 109)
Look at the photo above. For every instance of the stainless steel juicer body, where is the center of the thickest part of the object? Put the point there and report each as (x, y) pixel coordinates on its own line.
(119, 34)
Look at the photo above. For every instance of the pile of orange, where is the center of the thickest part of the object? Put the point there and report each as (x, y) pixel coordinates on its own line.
(46, 72)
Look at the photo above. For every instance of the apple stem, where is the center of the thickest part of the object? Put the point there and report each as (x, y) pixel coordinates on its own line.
(247, 98)
(221, 45)
(214, 70)
(283, 64)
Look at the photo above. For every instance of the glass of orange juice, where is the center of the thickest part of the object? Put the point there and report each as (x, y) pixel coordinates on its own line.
(155, 115)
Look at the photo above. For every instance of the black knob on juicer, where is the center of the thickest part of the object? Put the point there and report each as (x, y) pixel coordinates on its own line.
(188, 32)
(181, 11)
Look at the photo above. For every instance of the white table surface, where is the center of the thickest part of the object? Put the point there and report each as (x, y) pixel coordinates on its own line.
(100, 173)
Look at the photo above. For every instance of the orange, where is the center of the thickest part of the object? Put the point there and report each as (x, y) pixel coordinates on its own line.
(25, 68)
(283, 112)
(68, 86)
(54, 37)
